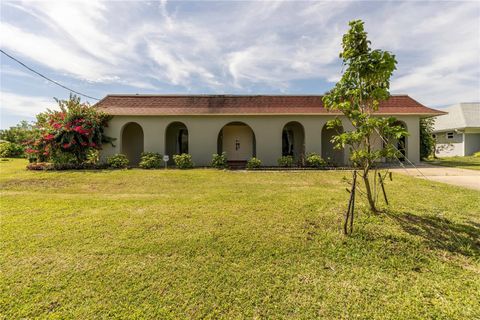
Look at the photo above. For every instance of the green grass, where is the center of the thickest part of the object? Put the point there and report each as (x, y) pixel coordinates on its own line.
(470, 162)
(219, 244)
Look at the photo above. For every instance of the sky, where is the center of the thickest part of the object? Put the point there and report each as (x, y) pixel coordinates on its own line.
(228, 47)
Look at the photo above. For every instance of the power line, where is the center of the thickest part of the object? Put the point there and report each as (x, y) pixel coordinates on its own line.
(45, 77)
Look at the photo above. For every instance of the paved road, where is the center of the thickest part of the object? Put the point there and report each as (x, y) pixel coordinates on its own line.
(459, 177)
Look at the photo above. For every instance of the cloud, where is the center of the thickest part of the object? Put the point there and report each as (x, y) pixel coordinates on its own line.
(245, 46)
(25, 106)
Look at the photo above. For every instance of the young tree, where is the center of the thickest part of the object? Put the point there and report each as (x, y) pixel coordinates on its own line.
(364, 83)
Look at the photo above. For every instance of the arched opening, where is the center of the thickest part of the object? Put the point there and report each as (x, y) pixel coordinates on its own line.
(176, 139)
(401, 144)
(329, 153)
(293, 140)
(132, 142)
(237, 139)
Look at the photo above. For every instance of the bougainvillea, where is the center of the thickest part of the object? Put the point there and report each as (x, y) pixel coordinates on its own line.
(74, 130)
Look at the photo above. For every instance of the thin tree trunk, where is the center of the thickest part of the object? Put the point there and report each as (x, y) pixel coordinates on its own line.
(368, 189)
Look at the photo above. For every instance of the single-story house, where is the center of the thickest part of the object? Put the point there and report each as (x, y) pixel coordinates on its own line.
(458, 132)
(243, 126)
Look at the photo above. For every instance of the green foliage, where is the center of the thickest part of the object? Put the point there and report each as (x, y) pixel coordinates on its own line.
(151, 160)
(219, 161)
(477, 154)
(60, 157)
(93, 156)
(183, 161)
(18, 134)
(315, 160)
(118, 161)
(286, 161)
(364, 83)
(76, 129)
(10, 150)
(427, 142)
(253, 163)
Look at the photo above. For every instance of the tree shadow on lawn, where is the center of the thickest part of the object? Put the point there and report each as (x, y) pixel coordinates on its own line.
(442, 233)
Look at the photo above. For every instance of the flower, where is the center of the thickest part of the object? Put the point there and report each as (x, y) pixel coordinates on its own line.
(48, 137)
(66, 145)
(81, 130)
(56, 125)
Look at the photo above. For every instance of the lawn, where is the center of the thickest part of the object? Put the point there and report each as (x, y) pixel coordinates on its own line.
(470, 162)
(219, 244)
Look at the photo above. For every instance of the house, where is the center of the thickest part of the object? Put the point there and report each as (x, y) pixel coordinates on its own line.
(458, 132)
(243, 126)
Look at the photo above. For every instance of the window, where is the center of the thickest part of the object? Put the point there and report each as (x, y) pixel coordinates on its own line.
(449, 135)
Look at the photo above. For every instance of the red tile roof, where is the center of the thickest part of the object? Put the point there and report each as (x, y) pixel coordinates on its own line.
(242, 105)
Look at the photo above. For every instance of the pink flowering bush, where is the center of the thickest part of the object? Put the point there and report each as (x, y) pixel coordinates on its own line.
(68, 135)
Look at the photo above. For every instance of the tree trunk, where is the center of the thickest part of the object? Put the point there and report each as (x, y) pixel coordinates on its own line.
(368, 189)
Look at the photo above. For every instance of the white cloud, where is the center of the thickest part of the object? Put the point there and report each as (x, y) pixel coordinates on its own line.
(246, 46)
(51, 54)
(23, 105)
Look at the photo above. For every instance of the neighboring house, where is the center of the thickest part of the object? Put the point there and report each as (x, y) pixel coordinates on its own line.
(458, 132)
(264, 126)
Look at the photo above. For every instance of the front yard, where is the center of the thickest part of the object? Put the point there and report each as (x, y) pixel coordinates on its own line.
(470, 162)
(221, 244)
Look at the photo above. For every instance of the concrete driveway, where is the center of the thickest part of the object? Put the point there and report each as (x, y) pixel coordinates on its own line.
(459, 177)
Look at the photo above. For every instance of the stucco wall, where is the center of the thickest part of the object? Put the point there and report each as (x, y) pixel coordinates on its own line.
(445, 147)
(472, 143)
(203, 133)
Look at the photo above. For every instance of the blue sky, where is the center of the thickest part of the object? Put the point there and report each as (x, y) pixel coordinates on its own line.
(239, 47)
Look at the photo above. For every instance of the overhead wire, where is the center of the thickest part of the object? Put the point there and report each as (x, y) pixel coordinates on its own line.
(47, 78)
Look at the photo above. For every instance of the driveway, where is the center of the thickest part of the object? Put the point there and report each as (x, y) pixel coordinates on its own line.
(459, 177)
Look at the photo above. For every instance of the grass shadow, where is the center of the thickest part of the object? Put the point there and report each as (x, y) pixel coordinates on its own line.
(442, 233)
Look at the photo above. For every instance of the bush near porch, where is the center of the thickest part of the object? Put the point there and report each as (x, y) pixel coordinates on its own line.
(221, 244)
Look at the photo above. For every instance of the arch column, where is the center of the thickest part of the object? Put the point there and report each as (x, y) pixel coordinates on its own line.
(269, 142)
(313, 135)
(202, 136)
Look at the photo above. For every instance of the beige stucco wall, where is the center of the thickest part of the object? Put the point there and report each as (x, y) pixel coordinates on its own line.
(203, 133)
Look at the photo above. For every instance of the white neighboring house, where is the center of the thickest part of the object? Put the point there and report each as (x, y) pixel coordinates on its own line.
(458, 132)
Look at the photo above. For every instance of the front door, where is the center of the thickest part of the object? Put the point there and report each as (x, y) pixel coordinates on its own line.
(238, 142)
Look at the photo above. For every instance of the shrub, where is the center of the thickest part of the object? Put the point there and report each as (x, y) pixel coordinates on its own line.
(477, 154)
(286, 161)
(254, 163)
(93, 156)
(183, 161)
(151, 160)
(10, 150)
(60, 158)
(219, 161)
(76, 128)
(315, 160)
(118, 161)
